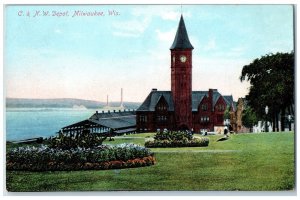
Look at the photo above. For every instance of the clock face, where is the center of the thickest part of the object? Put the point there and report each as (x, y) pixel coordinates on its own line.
(182, 59)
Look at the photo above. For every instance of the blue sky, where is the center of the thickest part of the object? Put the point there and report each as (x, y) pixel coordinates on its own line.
(90, 57)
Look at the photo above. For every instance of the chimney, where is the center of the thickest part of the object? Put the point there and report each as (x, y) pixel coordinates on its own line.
(210, 93)
(97, 116)
(154, 89)
(211, 97)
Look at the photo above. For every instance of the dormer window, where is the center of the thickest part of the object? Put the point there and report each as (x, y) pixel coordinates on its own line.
(220, 107)
(204, 107)
(161, 107)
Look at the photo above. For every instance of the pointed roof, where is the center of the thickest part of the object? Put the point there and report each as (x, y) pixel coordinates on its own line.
(181, 40)
(153, 98)
(197, 96)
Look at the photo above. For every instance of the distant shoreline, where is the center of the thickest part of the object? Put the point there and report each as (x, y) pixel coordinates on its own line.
(49, 109)
(65, 103)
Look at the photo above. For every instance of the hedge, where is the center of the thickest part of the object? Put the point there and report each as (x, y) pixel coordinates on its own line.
(44, 158)
(195, 142)
(167, 138)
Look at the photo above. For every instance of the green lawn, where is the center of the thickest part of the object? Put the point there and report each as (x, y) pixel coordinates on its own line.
(245, 162)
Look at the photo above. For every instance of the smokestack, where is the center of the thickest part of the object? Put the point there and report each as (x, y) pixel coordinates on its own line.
(121, 98)
(107, 100)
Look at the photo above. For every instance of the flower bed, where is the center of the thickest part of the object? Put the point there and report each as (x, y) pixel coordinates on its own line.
(44, 158)
(176, 139)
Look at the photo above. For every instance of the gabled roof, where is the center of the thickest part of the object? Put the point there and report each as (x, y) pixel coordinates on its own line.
(114, 120)
(216, 96)
(197, 97)
(229, 101)
(181, 40)
(152, 99)
(117, 122)
(111, 114)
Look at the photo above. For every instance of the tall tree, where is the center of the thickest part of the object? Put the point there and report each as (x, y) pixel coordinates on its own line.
(249, 117)
(271, 84)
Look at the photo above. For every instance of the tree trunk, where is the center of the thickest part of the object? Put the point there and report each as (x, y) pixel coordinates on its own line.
(273, 121)
(276, 122)
(282, 119)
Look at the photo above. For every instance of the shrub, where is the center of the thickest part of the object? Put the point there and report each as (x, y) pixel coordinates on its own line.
(176, 139)
(176, 135)
(82, 139)
(44, 158)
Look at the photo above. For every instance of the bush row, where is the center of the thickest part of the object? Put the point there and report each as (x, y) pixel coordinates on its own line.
(42, 157)
(62, 166)
(82, 139)
(173, 135)
(195, 142)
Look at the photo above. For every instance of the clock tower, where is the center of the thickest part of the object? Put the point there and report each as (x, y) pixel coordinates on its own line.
(181, 77)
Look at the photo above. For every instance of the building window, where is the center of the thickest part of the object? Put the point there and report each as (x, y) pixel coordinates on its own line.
(143, 118)
(204, 107)
(162, 107)
(161, 118)
(204, 119)
(220, 107)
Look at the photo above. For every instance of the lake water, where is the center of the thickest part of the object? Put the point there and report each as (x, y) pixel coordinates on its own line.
(40, 122)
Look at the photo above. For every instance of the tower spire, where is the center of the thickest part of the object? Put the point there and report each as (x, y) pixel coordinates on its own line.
(181, 40)
(181, 9)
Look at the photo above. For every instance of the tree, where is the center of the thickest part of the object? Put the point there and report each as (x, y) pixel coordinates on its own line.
(227, 113)
(271, 83)
(249, 118)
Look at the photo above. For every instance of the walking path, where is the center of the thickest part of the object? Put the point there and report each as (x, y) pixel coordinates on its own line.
(125, 137)
(196, 151)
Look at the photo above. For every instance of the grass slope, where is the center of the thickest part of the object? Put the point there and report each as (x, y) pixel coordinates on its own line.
(257, 162)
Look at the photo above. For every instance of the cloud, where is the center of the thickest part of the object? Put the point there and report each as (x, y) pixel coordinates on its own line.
(124, 34)
(131, 28)
(219, 73)
(171, 15)
(210, 45)
(142, 19)
(166, 36)
(58, 31)
(236, 51)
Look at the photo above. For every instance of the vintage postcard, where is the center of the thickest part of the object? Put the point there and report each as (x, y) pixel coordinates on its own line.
(149, 98)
